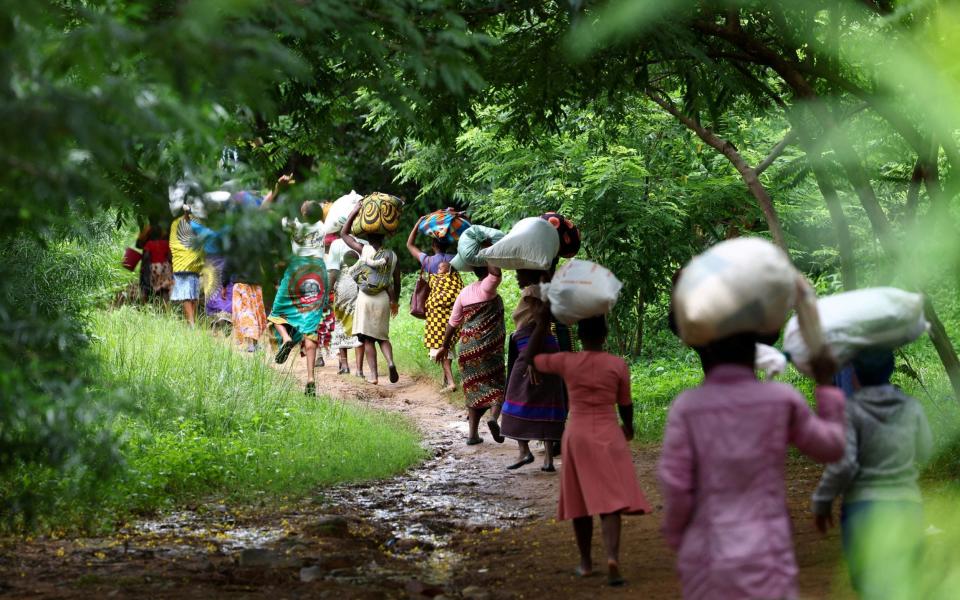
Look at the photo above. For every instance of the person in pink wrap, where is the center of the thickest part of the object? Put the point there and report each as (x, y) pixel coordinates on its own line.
(721, 472)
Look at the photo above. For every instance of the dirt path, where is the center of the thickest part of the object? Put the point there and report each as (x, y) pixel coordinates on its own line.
(458, 526)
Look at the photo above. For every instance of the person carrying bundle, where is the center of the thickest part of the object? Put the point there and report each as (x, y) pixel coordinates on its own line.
(598, 477)
(478, 314)
(378, 280)
(721, 470)
(534, 404)
(881, 517)
(445, 285)
(302, 295)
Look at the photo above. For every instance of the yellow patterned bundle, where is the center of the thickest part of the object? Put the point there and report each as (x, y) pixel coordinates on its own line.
(379, 213)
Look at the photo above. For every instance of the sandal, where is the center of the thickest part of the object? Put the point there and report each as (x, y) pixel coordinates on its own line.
(579, 572)
(311, 389)
(474, 441)
(394, 374)
(319, 361)
(283, 352)
(524, 461)
(550, 469)
(343, 371)
(495, 431)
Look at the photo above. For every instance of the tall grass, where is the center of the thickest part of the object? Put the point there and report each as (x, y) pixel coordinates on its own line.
(204, 421)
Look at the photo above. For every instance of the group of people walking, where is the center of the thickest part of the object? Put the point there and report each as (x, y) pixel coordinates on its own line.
(721, 469)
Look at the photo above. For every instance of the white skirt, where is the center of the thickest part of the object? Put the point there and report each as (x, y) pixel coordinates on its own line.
(372, 316)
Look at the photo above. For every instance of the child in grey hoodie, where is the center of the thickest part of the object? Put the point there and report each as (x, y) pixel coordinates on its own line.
(881, 518)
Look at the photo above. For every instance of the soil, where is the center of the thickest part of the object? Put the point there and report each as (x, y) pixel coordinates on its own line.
(458, 526)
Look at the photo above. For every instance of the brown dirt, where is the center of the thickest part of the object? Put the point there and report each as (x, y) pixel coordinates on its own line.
(459, 526)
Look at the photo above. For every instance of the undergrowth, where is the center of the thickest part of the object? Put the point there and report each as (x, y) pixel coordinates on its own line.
(204, 421)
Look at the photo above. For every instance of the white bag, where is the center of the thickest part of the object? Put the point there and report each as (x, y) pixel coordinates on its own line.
(882, 317)
(738, 286)
(579, 290)
(339, 212)
(531, 244)
(769, 360)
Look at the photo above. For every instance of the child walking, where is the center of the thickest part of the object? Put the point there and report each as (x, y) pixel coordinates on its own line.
(881, 517)
(722, 472)
(597, 477)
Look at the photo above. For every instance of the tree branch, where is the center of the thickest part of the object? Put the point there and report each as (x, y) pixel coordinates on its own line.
(775, 152)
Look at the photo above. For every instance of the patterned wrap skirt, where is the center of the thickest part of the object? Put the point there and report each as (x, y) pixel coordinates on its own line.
(301, 298)
(328, 324)
(532, 410)
(444, 290)
(219, 299)
(481, 353)
(249, 314)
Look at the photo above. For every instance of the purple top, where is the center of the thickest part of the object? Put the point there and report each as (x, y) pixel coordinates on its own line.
(722, 476)
(431, 262)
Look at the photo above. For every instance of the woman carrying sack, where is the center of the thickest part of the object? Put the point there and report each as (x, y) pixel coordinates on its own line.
(445, 285)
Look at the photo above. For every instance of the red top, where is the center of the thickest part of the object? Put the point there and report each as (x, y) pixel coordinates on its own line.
(159, 250)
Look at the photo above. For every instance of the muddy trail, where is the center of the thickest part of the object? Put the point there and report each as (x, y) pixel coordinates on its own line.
(458, 526)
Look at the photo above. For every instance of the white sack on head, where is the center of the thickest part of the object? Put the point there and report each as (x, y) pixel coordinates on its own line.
(881, 317)
(769, 360)
(531, 244)
(579, 290)
(340, 211)
(742, 285)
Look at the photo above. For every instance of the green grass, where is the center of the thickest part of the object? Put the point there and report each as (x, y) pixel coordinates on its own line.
(204, 421)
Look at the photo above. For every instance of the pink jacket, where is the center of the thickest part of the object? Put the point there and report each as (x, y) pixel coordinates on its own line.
(722, 476)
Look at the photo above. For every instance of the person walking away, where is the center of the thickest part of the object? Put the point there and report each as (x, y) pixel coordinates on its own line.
(340, 261)
(379, 282)
(157, 260)
(721, 472)
(478, 314)
(598, 477)
(301, 296)
(445, 285)
(881, 517)
(328, 324)
(187, 264)
(217, 290)
(534, 407)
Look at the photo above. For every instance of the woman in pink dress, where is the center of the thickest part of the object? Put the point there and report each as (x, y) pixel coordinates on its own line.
(597, 477)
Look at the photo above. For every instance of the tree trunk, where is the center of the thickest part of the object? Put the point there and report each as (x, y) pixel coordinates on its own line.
(729, 151)
(638, 334)
(945, 349)
(848, 268)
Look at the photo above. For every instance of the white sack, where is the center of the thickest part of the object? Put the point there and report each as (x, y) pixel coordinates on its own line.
(531, 244)
(339, 211)
(883, 317)
(738, 286)
(769, 360)
(581, 289)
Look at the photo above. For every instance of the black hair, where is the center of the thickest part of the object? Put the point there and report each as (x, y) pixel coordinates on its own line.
(441, 245)
(738, 349)
(314, 211)
(874, 366)
(593, 329)
(481, 272)
(527, 277)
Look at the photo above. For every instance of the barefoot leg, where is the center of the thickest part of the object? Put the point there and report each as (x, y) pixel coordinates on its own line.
(610, 525)
(583, 530)
(370, 350)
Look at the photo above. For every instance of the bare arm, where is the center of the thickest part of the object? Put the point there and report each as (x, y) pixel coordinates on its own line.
(394, 292)
(411, 246)
(282, 182)
(345, 231)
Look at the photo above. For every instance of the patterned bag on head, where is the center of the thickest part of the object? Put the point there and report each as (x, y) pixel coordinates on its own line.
(445, 225)
(379, 214)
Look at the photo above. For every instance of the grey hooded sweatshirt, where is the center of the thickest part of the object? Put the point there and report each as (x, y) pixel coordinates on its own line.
(887, 437)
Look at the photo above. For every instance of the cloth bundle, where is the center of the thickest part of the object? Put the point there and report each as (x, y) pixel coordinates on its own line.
(532, 243)
(579, 290)
(379, 214)
(737, 286)
(339, 210)
(883, 317)
(471, 242)
(567, 231)
(445, 225)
